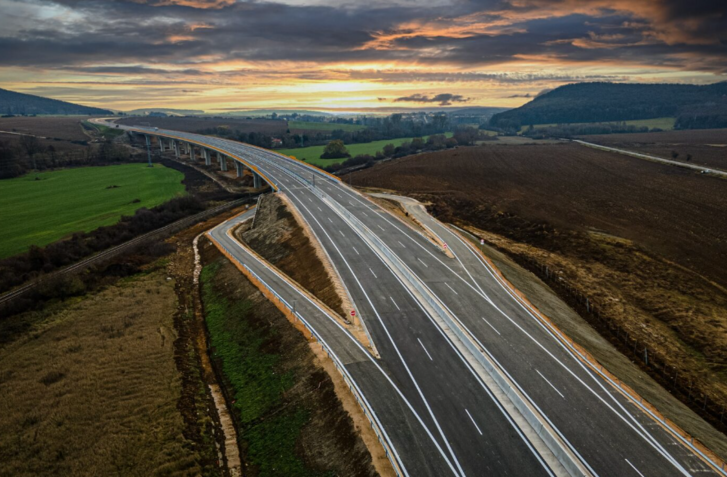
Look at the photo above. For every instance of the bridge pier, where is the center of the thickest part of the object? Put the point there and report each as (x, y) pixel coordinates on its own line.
(161, 143)
(189, 148)
(223, 163)
(207, 156)
(191, 152)
(239, 168)
(175, 144)
(256, 180)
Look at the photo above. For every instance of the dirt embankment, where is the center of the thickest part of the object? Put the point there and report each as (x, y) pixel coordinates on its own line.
(285, 405)
(278, 238)
(641, 242)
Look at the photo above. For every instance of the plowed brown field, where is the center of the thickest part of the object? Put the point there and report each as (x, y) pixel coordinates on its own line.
(267, 126)
(673, 212)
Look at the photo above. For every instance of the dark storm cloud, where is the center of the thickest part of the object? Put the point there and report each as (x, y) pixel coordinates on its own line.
(444, 99)
(189, 33)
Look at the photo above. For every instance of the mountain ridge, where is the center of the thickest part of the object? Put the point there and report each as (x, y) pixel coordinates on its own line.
(612, 102)
(12, 102)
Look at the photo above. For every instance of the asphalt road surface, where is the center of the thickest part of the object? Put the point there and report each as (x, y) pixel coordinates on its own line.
(439, 414)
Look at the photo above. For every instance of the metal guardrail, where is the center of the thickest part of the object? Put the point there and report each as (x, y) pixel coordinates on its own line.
(493, 367)
(118, 249)
(376, 425)
(522, 402)
(593, 364)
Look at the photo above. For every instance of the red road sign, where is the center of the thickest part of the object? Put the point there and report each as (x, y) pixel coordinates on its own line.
(445, 245)
(353, 312)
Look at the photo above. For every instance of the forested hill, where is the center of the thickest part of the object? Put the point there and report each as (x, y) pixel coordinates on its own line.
(19, 103)
(606, 102)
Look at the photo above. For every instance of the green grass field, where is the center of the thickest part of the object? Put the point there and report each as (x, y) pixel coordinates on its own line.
(38, 212)
(312, 155)
(324, 126)
(105, 131)
(667, 124)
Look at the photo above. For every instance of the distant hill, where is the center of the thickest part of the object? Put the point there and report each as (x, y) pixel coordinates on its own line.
(477, 111)
(169, 111)
(694, 106)
(25, 104)
(253, 113)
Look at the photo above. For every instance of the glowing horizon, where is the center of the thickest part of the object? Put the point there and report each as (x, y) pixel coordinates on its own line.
(217, 55)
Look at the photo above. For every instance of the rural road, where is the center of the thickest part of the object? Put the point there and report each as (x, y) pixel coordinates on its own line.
(717, 172)
(470, 381)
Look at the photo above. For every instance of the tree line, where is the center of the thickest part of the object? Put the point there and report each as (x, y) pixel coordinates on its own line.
(36, 261)
(465, 136)
(30, 153)
(377, 129)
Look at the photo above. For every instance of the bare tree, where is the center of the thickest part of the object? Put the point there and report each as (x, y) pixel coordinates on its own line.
(32, 146)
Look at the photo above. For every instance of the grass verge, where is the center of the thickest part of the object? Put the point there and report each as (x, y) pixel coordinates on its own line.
(269, 426)
(289, 418)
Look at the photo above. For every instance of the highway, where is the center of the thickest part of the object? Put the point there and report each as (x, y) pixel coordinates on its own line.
(437, 321)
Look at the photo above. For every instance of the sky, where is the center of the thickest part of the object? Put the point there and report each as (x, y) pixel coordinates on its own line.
(349, 55)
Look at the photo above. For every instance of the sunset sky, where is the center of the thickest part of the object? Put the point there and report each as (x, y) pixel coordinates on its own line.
(220, 55)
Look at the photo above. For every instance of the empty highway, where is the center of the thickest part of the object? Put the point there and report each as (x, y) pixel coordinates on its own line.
(438, 320)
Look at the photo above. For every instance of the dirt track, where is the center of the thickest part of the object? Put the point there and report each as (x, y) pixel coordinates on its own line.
(707, 147)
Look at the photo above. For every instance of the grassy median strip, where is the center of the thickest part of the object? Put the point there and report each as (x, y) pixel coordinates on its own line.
(248, 353)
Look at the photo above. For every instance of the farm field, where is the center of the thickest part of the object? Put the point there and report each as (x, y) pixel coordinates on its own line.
(105, 388)
(312, 155)
(195, 124)
(67, 128)
(296, 126)
(667, 124)
(59, 203)
(645, 242)
(707, 147)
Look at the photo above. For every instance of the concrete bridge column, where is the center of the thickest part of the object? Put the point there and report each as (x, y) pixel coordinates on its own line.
(223, 163)
(191, 152)
(189, 148)
(161, 143)
(240, 168)
(219, 158)
(207, 157)
(256, 180)
(175, 144)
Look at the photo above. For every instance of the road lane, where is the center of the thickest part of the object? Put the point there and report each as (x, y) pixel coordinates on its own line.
(609, 431)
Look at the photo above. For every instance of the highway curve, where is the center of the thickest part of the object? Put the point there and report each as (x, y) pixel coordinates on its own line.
(438, 409)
